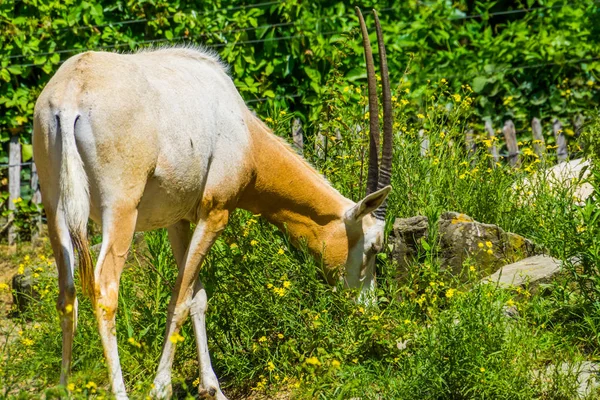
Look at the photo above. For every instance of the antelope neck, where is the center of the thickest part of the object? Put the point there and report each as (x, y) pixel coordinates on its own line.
(289, 193)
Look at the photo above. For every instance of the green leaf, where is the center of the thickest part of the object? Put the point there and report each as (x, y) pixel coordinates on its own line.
(479, 84)
(14, 70)
(26, 152)
(425, 245)
(5, 75)
(269, 69)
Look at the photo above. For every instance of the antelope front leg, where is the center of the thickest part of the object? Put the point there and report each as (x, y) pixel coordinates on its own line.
(209, 385)
(183, 297)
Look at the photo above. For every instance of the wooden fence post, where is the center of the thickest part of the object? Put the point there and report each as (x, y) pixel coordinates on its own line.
(539, 145)
(510, 136)
(320, 145)
(578, 124)
(561, 142)
(298, 134)
(36, 198)
(492, 139)
(424, 142)
(470, 145)
(14, 186)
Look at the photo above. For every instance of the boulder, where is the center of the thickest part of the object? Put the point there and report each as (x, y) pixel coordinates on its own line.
(488, 246)
(405, 239)
(585, 374)
(532, 270)
(566, 177)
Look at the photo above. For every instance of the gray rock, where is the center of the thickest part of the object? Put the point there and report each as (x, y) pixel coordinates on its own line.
(405, 239)
(585, 374)
(488, 246)
(532, 270)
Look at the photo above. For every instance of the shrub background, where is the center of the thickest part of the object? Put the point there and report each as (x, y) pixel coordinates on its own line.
(523, 59)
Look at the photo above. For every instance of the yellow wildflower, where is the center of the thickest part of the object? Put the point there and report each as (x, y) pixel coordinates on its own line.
(457, 97)
(69, 308)
(482, 369)
(510, 303)
(404, 102)
(450, 292)
(312, 361)
(280, 335)
(420, 116)
(4, 286)
(282, 112)
(280, 251)
(71, 387)
(176, 338)
(287, 284)
(262, 339)
(394, 99)
(443, 80)
(472, 268)
(27, 342)
(270, 366)
(489, 251)
(346, 89)
(335, 364)
(253, 242)
(480, 245)
(488, 244)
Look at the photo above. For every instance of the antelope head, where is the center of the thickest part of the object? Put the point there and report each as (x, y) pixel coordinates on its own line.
(364, 222)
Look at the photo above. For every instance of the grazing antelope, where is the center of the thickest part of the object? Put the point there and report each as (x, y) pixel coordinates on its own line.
(163, 139)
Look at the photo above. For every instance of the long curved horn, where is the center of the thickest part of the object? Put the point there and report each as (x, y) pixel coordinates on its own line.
(385, 172)
(373, 174)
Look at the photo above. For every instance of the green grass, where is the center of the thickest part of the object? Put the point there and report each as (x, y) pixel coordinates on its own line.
(275, 326)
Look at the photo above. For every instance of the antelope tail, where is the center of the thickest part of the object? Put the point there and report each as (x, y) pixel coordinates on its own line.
(75, 199)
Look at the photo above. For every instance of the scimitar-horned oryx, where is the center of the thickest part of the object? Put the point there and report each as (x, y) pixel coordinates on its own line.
(163, 139)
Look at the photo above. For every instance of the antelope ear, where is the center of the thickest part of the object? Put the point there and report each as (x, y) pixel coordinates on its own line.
(367, 205)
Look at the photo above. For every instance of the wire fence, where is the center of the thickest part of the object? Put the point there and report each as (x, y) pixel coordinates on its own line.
(296, 24)
(230, 31)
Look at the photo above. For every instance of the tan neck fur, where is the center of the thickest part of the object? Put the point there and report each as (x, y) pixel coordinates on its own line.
(292, 195)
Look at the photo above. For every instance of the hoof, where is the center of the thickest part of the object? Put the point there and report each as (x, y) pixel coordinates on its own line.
(160, 392)
(209, 393)
(212, 393)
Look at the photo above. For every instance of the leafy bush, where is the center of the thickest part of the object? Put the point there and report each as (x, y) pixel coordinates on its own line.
(274, 326)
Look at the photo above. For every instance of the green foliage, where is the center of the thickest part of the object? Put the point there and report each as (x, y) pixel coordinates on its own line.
(274, 326)
(521, 64)
(542, 62)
